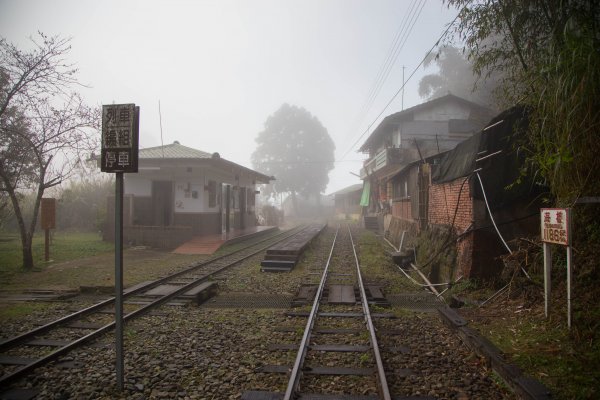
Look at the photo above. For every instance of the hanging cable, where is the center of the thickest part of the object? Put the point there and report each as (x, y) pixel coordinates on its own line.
(404, 84)
(494, 222)
(406, 27)
(490, 212)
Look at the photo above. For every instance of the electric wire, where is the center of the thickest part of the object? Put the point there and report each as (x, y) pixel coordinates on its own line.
(404, 84)
(494, 222)
(412, 23)
(412, 17)
(390, 59)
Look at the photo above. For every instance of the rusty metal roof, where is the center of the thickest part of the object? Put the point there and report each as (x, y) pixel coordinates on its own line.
(174, 150)
(349, 189)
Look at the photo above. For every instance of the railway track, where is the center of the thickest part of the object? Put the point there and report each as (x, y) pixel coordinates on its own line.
(340, 296)
(19, 357)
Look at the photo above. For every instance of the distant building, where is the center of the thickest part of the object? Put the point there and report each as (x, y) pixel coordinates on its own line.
(307, 207)
(180, 192)
(347, 201)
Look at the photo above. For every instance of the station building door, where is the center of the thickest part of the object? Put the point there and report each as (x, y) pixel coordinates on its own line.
(226, 208)
(162, 202)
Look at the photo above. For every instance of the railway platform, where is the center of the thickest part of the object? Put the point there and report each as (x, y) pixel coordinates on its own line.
(208, 244)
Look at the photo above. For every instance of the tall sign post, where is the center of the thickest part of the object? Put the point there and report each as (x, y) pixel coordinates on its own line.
(556, 229)
(119, 154)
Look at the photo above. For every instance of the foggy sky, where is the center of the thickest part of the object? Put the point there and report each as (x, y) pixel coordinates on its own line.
(220, 68)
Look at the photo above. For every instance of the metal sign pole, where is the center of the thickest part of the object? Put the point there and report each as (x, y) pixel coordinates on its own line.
(556, 228)
(569, 281)
(119, 154)
(119, 277)
(47, 244)
(547, 277)
(569, 268)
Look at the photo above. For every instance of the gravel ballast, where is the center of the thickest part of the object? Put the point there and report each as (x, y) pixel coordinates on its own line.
(199, 352)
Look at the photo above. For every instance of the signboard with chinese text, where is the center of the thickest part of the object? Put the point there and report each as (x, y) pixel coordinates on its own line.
(120, 138)
(556, 225)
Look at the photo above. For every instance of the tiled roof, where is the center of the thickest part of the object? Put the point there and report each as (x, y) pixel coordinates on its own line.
(174, 150)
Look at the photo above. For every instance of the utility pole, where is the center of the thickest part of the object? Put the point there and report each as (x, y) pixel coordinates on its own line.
(403, 68)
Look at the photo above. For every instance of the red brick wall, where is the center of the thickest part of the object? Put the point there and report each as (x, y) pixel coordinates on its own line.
(442, 204)
(443, 200)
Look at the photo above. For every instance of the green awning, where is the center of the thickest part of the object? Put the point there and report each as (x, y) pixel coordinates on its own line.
(364, 199)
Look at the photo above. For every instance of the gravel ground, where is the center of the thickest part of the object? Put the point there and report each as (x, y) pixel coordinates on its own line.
(207, 353)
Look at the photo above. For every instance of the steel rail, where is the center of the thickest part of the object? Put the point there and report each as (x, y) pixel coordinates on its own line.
(11, 342)
(383, 385)
(11, 377)
(295, 374)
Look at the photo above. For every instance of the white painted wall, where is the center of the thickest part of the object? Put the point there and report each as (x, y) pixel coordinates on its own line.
(135, 185)
(189, 196)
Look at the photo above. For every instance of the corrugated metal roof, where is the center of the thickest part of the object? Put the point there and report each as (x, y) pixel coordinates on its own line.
(348, 189)
(174, 150)
(393, 119)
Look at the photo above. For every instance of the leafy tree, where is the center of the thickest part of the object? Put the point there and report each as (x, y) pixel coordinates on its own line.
(455, 75)
(45, 128)
(548, 52)
(295, 148)
(82, 203)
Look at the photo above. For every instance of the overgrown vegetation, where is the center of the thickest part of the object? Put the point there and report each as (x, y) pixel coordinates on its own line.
(548, 54)
(377, 266)
(566, 360)
(436, 254)
(81, 205)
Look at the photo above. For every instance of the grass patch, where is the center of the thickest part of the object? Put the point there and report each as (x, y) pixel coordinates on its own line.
(17, 310)
(83, 259)
(64, 246)
(545, 350)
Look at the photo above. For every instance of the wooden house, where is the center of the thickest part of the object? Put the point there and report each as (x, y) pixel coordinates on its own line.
(415, 134)
(452, 194)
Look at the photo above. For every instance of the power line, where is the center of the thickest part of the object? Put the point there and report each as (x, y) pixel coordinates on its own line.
(305, 162)
(404, 84)
(390, 59)
(396, 47)
(411, 25)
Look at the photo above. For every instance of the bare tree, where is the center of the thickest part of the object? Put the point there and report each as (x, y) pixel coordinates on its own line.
(45, 129)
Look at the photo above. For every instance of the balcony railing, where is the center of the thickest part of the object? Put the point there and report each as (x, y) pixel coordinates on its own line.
(387, 157)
